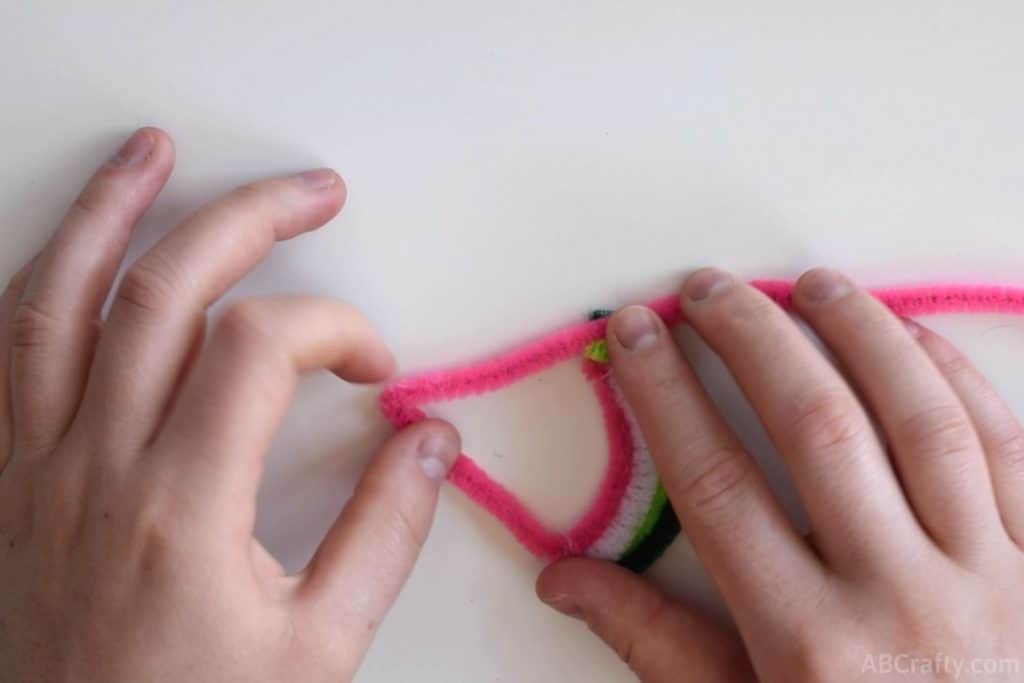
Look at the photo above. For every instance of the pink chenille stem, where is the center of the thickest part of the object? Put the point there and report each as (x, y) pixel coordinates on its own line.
(401, 402)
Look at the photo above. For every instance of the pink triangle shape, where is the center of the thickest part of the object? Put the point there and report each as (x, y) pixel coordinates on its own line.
(401, 403)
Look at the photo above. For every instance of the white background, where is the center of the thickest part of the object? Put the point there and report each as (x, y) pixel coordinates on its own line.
(511, 165)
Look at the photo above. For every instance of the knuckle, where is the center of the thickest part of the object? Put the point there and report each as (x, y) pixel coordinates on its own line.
(813, 657)
(1008, 450)
(156, 537)
(252, 199)
(101, 200)
(89, 201)
(152, 518)
(255, 205)
(407, 531)
(147, 287)
(940, 431)
(951, 363)
(651, 621)
(247, 334)
(244, 324)
(739, 309)
(827, 421)
(247, 194)
(149, 518)
(629, 646)
(954, 366)
(656, 615)
(671, 388)
(719, 482)
(401, 527)
(811, 650)
(33, 326)
(105, 199)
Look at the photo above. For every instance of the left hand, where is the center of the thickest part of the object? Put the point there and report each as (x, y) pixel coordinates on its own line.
(130, 452)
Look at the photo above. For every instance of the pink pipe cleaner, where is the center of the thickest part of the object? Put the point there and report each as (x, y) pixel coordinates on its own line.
(401, 401)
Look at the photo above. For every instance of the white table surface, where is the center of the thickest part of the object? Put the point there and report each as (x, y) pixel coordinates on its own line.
(511, 165)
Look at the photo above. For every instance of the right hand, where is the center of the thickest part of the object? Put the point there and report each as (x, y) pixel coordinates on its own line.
(918, 554)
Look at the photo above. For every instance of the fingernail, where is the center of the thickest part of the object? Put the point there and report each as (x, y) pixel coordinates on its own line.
(318, 179)
(822, 285)
(436, 455)
(706, 283)
(564, 604)
(135, 149)
(913, 328)
(635, 328)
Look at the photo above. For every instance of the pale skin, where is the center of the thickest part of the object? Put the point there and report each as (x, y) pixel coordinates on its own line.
(130, 454)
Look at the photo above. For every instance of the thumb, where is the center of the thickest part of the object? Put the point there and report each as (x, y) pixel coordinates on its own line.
(661, 640)
(369, 553)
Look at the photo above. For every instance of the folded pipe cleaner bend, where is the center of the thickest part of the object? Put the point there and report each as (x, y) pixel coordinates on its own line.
(629, 519)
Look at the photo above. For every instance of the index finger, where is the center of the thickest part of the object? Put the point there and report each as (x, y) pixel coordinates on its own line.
(736, 525)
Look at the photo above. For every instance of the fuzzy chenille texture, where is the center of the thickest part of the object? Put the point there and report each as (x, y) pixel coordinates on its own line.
(630, 519)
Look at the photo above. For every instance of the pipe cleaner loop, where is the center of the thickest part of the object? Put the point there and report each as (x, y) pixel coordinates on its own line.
(630, 519)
